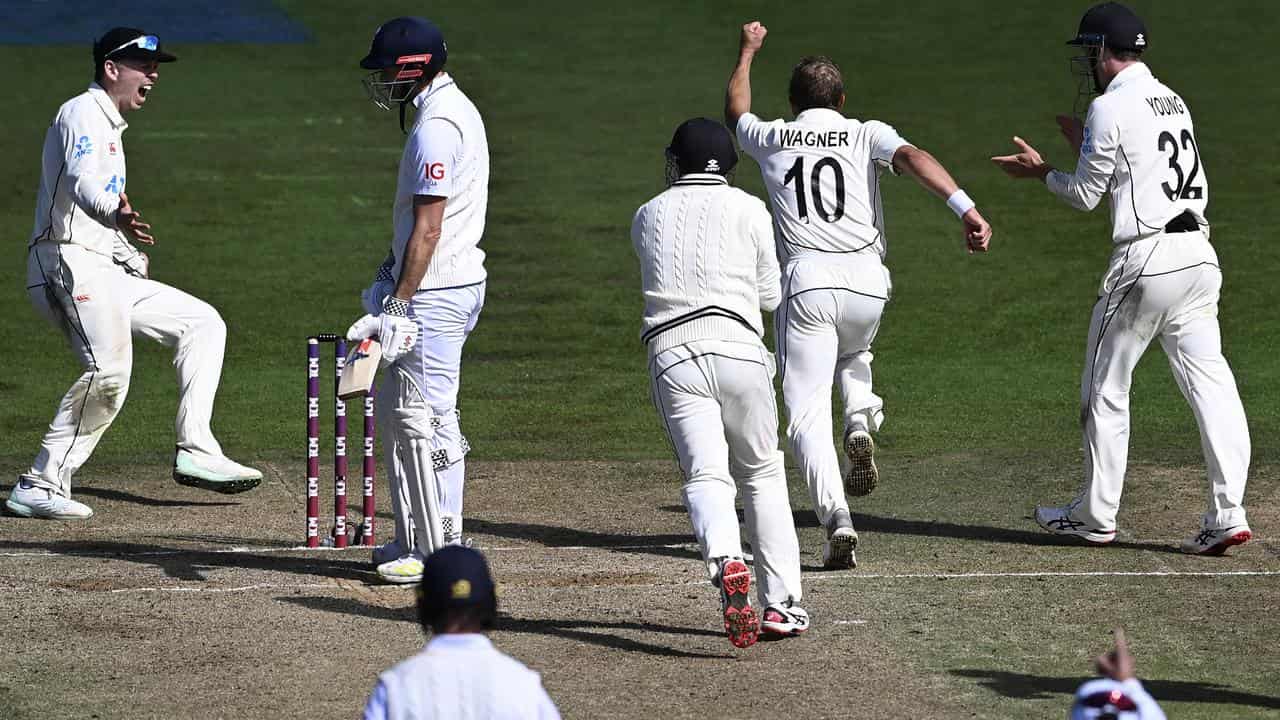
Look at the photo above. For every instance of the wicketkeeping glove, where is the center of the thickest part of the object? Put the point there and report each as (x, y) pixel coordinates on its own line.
(395, 330)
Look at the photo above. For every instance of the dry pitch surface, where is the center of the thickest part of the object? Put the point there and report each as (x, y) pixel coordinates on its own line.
(171, 603)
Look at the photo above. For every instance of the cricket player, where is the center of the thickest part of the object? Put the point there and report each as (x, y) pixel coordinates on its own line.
(822, 171)
(1138, 143)
(427, 297)
(459, 674)
(85, 277)
(708, 268)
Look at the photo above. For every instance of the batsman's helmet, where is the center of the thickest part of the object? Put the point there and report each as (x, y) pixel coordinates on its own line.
(456, 578)
(701, 145)
(414, 47)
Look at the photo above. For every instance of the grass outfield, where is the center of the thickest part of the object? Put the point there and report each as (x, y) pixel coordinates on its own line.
(268, 178)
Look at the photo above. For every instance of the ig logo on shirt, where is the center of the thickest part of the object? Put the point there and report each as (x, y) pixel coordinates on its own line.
(434, 172)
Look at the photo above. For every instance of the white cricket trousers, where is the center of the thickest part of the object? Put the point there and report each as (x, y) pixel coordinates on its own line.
(1162, 287)
(421, 387)
(99, 308)
(715, 399)
(828, 319)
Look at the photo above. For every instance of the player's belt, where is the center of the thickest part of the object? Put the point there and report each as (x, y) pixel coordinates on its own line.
(1186, 222)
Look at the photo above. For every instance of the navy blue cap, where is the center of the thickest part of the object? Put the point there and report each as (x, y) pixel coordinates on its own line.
(702, 145)
(1112, 25)
(455, 577)
(407, 40)
(125, 42)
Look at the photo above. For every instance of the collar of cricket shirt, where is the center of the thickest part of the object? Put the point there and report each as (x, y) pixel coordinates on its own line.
(818, 115)
(700, 179)
(440, 82)
(459, 641)
(1133, 73)
(108, 108)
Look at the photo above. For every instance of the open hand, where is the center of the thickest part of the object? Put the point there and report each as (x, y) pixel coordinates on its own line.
(977, 232)
(129, 221)
(753, 37)
(1026, 163)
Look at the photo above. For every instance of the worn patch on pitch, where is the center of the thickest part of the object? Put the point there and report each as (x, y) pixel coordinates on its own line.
(79, 22)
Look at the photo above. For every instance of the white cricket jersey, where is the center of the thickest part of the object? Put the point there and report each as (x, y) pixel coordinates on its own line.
(460, 676)
(822, 171)
(1139, 144)
(707, 264)
(446, 155)
(83, 174)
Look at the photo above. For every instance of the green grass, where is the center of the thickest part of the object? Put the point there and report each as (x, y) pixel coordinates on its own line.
(268, 178)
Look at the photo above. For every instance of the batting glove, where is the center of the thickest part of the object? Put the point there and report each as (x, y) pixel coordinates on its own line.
(393, 328)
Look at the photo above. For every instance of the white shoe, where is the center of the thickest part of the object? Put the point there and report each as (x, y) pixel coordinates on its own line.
(862, 476)
(386, 553)
(219, 474)
(402, 571)
(837, 551)
(1215, 542)
(784, 620)
(1058, 521)
(34, 501)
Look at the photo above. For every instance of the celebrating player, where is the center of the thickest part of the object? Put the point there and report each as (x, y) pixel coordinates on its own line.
(1163, 280)
(707, 268)
(427, 297)
(822, 171)
(85, 277)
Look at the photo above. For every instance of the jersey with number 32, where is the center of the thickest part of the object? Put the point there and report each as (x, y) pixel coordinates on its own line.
(1140, 145)
(822, 172)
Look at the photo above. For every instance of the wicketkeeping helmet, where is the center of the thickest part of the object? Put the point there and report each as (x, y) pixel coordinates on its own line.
(700, 145)
(1108, 25)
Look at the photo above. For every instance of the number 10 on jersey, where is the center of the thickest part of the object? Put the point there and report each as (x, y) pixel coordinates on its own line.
(796, 174)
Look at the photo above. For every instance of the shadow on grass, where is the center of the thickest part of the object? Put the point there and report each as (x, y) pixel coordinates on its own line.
(554, 536)
(959, 531)
(190, 564)
(587, 631)
(1037, 687)
(127, 497)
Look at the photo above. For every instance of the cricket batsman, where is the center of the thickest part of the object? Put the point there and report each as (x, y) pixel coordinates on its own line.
(85, 277)
(427, 296)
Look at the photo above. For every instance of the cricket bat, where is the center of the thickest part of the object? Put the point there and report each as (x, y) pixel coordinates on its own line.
(361, 367)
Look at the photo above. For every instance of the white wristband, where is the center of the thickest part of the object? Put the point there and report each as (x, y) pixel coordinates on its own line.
(960, 203)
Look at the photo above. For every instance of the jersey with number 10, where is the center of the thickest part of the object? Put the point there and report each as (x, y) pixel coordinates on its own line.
(1139, 144)
(822, 172)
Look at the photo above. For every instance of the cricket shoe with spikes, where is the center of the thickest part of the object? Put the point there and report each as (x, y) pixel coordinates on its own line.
(784, 620)
(842, 539)
(1058, 521)
(862, 476)
(1215, 541)
(740, 620)
(217, 473)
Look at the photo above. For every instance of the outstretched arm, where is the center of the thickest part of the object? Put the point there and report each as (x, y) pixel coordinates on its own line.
(737, 97)
(911, 160)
